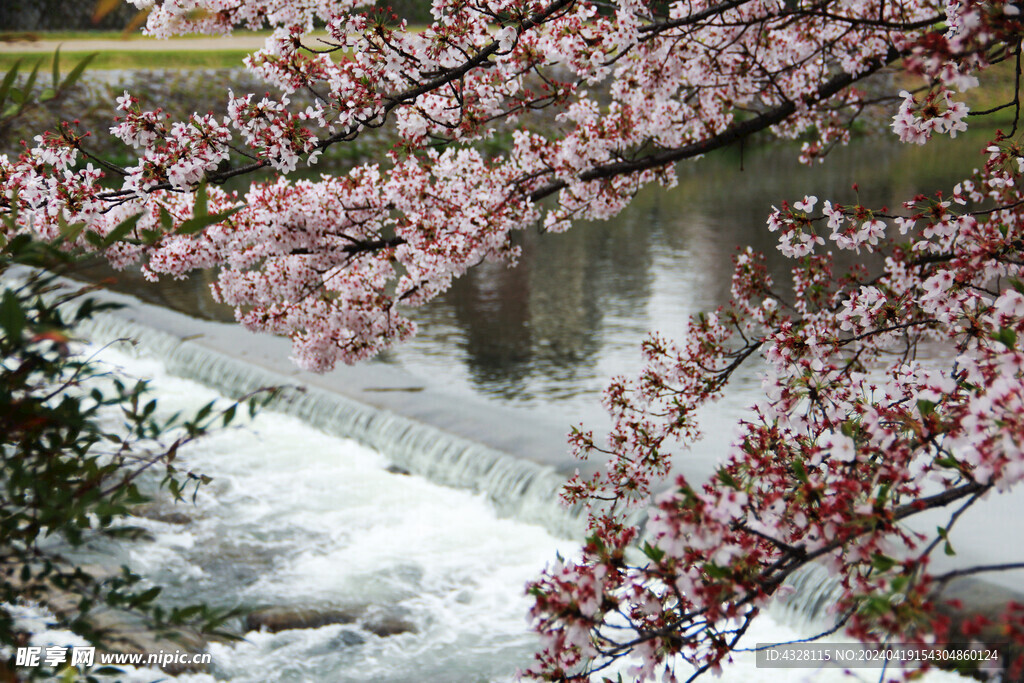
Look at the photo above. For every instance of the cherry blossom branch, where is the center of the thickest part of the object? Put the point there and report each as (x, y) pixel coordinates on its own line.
(733, 134)
(945, 578)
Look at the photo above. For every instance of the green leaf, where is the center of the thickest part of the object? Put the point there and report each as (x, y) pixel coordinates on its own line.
(69, 232)
(194, 225)
(948, 549)
(200, 208)
(93, 238)
(47, 95)
(204, 411)
(12, 316)
(1006, 337)
(728, 479)
(8, 81)
(146, 596)
(31, 82)
(20, 244)
(883, 494)
(121, 230)
(800, 471)
(165, 219)
(56, 68)
(188, 612)
(716, 572)
(150, 236)
(882, 563)
(653, 552)
(876, 605)
(76, 72)
(926, 408)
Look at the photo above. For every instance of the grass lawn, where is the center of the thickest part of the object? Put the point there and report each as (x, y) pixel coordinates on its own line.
(124, 56)
(128, 59)
(22, 36)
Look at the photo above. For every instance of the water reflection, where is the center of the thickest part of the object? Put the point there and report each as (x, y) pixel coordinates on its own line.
(575, 310)
(545, 320)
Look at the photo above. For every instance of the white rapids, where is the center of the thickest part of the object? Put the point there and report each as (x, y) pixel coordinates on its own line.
(298, 518)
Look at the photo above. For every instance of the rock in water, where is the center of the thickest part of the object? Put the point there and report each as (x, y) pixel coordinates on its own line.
(274, 619)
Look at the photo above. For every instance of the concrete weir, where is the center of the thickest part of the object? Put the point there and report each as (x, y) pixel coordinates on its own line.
(523, 485)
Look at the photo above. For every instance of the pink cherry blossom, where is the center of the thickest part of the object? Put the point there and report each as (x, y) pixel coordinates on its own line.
(852, 436)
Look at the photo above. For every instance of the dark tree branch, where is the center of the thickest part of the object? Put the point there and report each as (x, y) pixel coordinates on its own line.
(734, 133)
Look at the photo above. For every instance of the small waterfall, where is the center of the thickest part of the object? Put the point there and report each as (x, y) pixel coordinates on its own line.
(810, 605)
(518, 488)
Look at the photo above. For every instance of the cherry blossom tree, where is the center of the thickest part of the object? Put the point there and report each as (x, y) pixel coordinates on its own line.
(595, 100)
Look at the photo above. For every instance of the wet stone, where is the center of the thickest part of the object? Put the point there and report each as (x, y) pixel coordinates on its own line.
(385, 623)
(348, 639)
(275, 619)
(381, 622)
(161, 514)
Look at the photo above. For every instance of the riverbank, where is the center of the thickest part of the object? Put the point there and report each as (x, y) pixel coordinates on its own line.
(135, 53)
(42, 43)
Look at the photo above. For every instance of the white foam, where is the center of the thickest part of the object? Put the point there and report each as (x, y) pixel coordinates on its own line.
(296, 517)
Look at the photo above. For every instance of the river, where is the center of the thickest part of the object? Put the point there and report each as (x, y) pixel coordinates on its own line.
(296, 518)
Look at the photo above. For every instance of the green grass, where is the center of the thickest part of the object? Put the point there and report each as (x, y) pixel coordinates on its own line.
(130, 59)
(997, 84)
(22, 36)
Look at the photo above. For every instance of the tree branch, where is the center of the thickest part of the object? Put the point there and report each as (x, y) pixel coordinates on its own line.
(730, 135)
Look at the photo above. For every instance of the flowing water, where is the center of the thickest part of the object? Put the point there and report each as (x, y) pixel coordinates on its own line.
(297, 518)
(300, 519)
